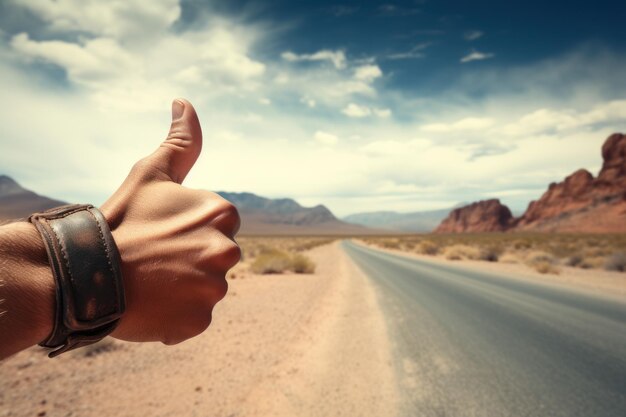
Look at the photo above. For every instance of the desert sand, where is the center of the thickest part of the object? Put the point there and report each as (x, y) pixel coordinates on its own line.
(280, 345)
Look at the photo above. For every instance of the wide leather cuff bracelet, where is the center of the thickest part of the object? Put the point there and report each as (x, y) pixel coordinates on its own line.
(85, 263)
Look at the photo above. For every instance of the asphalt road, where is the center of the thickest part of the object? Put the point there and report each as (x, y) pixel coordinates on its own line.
(474, 344)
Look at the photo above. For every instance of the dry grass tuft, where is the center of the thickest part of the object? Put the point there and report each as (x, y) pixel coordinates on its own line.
(301, 264)
(544, 267)
(616, 262)
(458, 252)
(542, 262)
(427, 247)
(271, 262)
(275, 261)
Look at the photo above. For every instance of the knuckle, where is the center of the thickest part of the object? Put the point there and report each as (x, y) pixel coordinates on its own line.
(222, 258)
(227, 219)
(232, 255)
(221, 289)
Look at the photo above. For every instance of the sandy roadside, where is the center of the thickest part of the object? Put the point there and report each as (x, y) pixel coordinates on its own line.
(606, 283)
(285, 345)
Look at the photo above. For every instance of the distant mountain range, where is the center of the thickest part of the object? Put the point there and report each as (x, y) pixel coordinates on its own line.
(285, 216)
(17, 202)
(416, 222)
(260, 215)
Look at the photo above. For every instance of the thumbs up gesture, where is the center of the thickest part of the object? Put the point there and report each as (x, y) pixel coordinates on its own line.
(176, 244)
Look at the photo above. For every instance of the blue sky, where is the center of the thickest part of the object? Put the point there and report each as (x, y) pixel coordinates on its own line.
(361, 106)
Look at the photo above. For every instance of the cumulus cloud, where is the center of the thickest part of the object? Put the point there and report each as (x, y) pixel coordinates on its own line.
(476, 56)
(325, 138)
(557, 120)
(337, 58)
(367, 73)
(354, 110)
(90, 63)
(120, 19)
(358, 111)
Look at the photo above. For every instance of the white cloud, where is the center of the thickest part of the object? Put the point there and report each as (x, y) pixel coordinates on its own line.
(127, 19)
(415, 52)
(337, 58)
(358, 111)
(120, 72)
(265, 101)
(472, 35)
(367, 73)
(354, 110)
(95, 61)
(384, 113)
(552, 120)
(467, 123)
(476, 56)
(325, 138)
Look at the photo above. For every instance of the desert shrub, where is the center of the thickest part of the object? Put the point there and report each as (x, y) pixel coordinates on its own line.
(489, 254)
(542, 262)
(592, 262)
(391, 244)
(427, 247)
(522, 244)
(508, 258)
(458, 252)
(276, 262)
(301, 264)
(544, 267)
(594, 252)
(574, 260)
(271, 262)
(536, 257)
(616, 262)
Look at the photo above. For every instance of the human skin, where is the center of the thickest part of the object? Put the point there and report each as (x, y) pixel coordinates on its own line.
(176, 246)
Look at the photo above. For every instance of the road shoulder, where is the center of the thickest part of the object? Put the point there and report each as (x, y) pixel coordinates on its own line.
(602, 283)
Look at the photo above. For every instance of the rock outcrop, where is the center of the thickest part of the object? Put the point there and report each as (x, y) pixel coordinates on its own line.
(581, 203)
(483, 216)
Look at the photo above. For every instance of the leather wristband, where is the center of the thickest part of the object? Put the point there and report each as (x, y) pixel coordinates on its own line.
(85, 263)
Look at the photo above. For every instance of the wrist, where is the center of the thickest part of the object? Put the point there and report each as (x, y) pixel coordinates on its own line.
(29, 287)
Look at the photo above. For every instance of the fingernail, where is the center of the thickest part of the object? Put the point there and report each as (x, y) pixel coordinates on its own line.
(178, 108)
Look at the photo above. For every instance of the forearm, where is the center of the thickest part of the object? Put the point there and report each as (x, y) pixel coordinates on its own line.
(27, 289)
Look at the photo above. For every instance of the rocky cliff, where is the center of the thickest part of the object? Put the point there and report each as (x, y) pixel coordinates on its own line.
(483, 216)
(580, 203)
(584, 203)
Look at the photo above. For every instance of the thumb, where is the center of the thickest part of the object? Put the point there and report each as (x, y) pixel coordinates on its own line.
(183, 144)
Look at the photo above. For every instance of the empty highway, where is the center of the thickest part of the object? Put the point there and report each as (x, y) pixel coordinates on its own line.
(468, 343)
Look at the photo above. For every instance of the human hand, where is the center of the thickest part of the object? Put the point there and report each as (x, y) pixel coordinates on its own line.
(176, 244)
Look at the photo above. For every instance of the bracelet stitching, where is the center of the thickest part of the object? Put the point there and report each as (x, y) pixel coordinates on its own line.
(63, 250)
(104, 242)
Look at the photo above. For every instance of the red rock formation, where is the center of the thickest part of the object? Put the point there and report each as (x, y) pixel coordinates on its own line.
(583, 203)
(483, 216)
